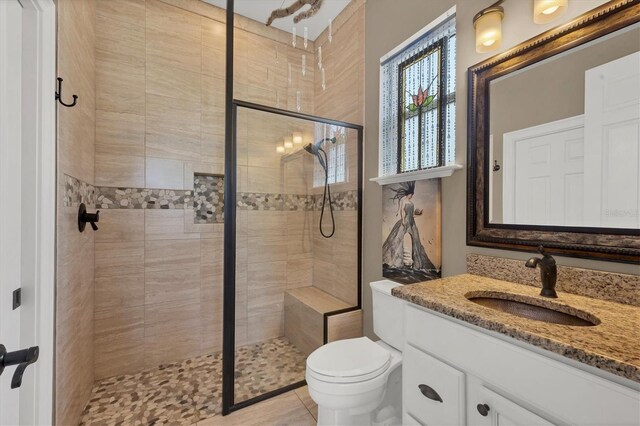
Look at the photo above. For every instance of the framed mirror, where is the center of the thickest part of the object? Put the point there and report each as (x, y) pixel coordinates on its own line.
(554, 140)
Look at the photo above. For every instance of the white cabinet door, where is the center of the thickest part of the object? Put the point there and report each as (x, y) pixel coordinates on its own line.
(612, 144)
(432, 391)
(492, 408)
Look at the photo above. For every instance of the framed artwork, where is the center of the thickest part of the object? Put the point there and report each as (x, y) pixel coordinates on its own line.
(411, 231)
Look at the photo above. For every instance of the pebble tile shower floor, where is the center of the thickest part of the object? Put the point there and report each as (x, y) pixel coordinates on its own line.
(186, 392)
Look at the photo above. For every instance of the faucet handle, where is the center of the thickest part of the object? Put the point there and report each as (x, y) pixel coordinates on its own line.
(541, 249)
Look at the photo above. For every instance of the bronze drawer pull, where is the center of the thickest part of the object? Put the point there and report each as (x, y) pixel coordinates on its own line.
(430, 393)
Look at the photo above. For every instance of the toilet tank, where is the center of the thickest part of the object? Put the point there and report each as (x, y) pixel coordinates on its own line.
(388, 314)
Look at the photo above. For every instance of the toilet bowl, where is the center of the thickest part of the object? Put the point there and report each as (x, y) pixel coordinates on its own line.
(358, 381)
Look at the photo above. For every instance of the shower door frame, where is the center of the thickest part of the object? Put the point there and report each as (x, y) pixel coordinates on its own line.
(230, 207)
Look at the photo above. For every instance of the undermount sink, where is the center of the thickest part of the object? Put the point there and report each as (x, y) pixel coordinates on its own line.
(532, 308)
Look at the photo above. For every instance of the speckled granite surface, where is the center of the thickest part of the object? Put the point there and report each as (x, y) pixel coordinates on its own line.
(612, 345)
(620, 288)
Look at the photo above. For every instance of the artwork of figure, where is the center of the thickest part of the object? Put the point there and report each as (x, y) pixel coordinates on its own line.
(411, 231)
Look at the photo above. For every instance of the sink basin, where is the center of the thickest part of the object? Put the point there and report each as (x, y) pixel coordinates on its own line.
(532, 308)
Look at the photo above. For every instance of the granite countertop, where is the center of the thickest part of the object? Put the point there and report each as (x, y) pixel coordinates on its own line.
(613, 345)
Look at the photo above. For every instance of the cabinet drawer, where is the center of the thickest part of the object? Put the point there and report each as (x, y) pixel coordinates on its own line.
(433, 391)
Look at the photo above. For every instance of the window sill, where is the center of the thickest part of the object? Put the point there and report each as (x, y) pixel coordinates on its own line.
(434, 173)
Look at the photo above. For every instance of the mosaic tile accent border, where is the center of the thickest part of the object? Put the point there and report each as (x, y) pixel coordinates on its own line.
(208, 198)
(77, 192)
(346, 200)
(256, 201)
(142, 198)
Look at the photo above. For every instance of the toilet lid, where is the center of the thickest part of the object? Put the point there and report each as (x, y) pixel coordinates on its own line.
(349, 359)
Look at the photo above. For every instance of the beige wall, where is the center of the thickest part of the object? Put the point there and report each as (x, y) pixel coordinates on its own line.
(388, 23)
(335, 260)
(75, 251)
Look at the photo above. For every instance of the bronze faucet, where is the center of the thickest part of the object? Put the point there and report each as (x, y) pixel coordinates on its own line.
(548, 272)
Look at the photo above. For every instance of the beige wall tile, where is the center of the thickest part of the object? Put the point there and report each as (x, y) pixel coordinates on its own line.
(76, 63)
(302, 325)
(120, 226)
(119, 133)
(165, 174)
(344, 326)
(119, 259)
(172, 332)
(265, 326)
(172, 82)
(267, 249)
(166, 224)
(173, 285)
(119, 292)
(299, 273)
(117, 341)
(265, 300)
(264, 180)
(120, 87)
(171, 254)
(173, 128)
(120, 171)
(264, 223)
(267, 274)
(173, 37)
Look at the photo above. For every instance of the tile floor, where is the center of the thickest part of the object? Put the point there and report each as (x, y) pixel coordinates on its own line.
(189, 392)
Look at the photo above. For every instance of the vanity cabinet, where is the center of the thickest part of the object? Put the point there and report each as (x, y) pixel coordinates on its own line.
(456, 374)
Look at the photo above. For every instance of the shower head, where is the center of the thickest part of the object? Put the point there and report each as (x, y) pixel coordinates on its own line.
(315, 148)
(311, 149)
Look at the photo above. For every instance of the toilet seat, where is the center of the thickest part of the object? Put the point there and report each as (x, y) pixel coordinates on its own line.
(348, 361)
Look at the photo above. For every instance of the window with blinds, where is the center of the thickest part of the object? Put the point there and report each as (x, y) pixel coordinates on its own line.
(336, 155)
(418, 103)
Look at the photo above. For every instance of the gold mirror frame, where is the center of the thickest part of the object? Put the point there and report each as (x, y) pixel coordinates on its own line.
(613, 244)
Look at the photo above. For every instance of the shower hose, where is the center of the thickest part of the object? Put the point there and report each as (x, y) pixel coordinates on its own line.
(326, 195)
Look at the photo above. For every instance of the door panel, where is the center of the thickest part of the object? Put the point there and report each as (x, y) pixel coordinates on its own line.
(612, 143)
(10, 199)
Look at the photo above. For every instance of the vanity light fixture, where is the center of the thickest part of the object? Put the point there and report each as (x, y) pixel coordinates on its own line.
(280, 149)
(297, 138)
(547, 10)
(488, 25)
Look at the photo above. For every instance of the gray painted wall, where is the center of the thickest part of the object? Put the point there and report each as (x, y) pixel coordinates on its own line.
(387, 24)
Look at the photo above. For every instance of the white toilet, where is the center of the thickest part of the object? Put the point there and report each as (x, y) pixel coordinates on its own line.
(359, 381)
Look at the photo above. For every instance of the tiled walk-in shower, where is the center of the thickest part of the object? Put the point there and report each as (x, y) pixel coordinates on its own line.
(144, 311)
(186, 392)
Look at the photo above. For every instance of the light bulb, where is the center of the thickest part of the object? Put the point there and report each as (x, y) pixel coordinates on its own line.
(288, 142)
(297, 138)
(280, 149)
(547, 10)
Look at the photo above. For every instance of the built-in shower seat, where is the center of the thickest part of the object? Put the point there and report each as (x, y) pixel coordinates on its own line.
(304, 312)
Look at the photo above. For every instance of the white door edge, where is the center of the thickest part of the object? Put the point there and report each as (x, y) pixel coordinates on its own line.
(39, 409)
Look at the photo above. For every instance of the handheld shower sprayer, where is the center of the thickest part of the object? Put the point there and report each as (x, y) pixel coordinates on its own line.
(321, 155)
